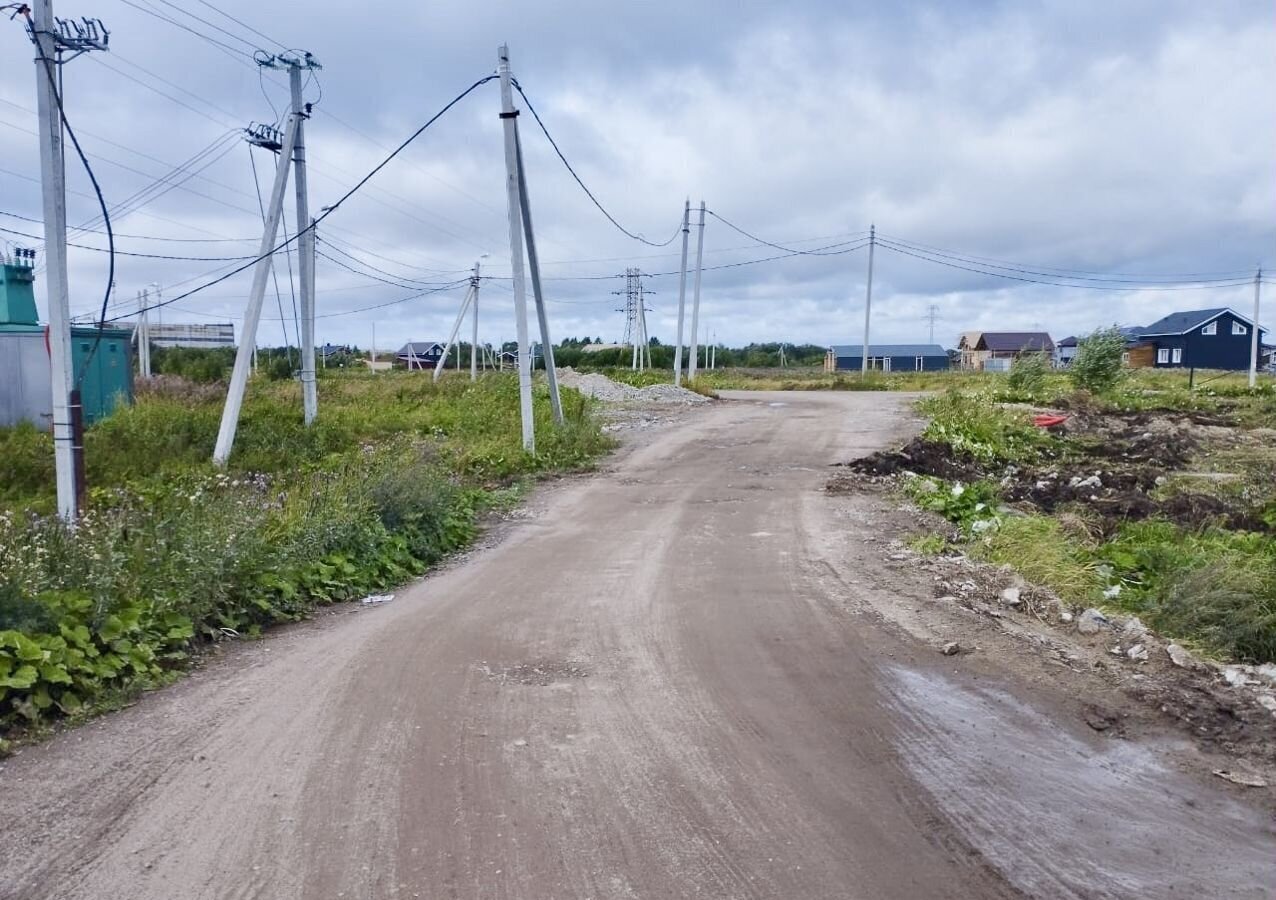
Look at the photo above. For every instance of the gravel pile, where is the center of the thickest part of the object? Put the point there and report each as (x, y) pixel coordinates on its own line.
(600, 387)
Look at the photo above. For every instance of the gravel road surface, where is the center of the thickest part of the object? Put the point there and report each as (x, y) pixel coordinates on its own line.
(659, 684)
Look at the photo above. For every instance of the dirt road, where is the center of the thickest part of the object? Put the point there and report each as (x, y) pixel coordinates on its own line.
(667, 682)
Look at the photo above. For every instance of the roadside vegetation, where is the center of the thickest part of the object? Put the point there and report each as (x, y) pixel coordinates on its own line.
(1150, 499)
(173, 553)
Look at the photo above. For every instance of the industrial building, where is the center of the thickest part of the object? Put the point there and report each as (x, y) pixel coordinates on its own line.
(178, 334)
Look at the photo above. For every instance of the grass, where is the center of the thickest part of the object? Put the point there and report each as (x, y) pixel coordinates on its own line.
(172, 551)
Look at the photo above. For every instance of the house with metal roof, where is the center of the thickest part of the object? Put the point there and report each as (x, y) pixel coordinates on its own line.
(1217, 338)
(887, 358)
(419, 355)
(996, 350)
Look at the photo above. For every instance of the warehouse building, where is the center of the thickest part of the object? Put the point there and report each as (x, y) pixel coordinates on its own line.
(887, 358)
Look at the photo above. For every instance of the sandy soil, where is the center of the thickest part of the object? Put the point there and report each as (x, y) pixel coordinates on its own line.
(696, 674)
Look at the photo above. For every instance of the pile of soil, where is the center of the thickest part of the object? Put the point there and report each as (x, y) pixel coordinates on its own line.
(1108, 465)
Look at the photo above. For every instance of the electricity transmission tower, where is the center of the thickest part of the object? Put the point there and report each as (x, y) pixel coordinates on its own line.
(931, 315)
(53, 37)
(292, 156)
(635, 310)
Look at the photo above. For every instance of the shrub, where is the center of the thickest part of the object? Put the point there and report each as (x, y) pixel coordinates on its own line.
(1097, 367)
(1028, 374)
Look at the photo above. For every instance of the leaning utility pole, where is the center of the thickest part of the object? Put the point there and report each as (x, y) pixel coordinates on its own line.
(456, 329)
(695, 298)
(51, 36)
(534, 268)
(682, 293)
(1254, 336)
(252, 315)
(868, 300)
(513, 194)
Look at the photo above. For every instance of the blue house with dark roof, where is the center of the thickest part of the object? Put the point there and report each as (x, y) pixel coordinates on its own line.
(1199, 339)
(887, 358)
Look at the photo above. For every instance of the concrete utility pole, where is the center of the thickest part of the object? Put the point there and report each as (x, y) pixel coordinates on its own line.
(51, 37)
(1254, 336)
(306, 240)
(868, 300)
(512, 184)
(373, 354)
(143, 335)
(682, 293)
(474, 289)
(695, 298)
(534, 266)
(451, 340)
(252, 315)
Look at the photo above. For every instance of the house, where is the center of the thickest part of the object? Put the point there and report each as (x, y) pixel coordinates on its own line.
(996, 350)
(887, 358)
(1065, 352)
(419, 355)
(968, 357)
(1197, 339)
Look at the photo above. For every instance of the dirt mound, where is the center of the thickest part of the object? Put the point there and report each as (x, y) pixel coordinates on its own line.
(600, 387)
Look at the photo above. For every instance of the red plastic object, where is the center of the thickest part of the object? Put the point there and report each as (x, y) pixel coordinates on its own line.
(1048, 421)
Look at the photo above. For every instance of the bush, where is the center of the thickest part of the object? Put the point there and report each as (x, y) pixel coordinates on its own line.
(1097, 367)
(1028, 374)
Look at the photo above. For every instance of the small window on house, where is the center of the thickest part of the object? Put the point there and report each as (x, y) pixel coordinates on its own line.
(1238, 328)
(1211, 328)
(1178, 355)
(1162, 357)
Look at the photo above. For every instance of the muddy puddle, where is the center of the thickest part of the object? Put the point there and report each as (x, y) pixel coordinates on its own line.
(1062, 816)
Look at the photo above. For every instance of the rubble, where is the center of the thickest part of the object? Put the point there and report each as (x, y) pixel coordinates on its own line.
(1092, 621)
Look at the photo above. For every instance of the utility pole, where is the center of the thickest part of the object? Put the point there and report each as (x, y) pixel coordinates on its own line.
(51, 36)
(1254, 337)
(513, 192)
(682, 292)
(931, 315)
(474, 291)
(143, 335)
(695, 298)
(534, 268)
(868, 300)
(451, 340)
(373, 367)
(306, 238)
(252, 315)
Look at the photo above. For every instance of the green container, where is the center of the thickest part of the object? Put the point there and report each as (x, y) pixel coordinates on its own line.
(105, 375)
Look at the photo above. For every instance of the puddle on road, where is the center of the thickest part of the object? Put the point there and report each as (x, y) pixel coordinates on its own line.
(1062, 818)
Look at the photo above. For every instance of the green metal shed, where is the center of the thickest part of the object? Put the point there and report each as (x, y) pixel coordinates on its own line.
(105, 374)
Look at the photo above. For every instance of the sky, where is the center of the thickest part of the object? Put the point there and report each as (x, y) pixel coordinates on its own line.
(1130, 141)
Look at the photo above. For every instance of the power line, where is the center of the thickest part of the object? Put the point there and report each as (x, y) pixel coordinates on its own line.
(1093, 287)
(1070, 274)
(137, 237)
(588, 192)
(241, 23)
(329, 210)
(754, 237)
(118, 252)
(234, 53)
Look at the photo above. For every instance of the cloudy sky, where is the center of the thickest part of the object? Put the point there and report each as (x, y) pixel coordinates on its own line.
(1133, 140)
